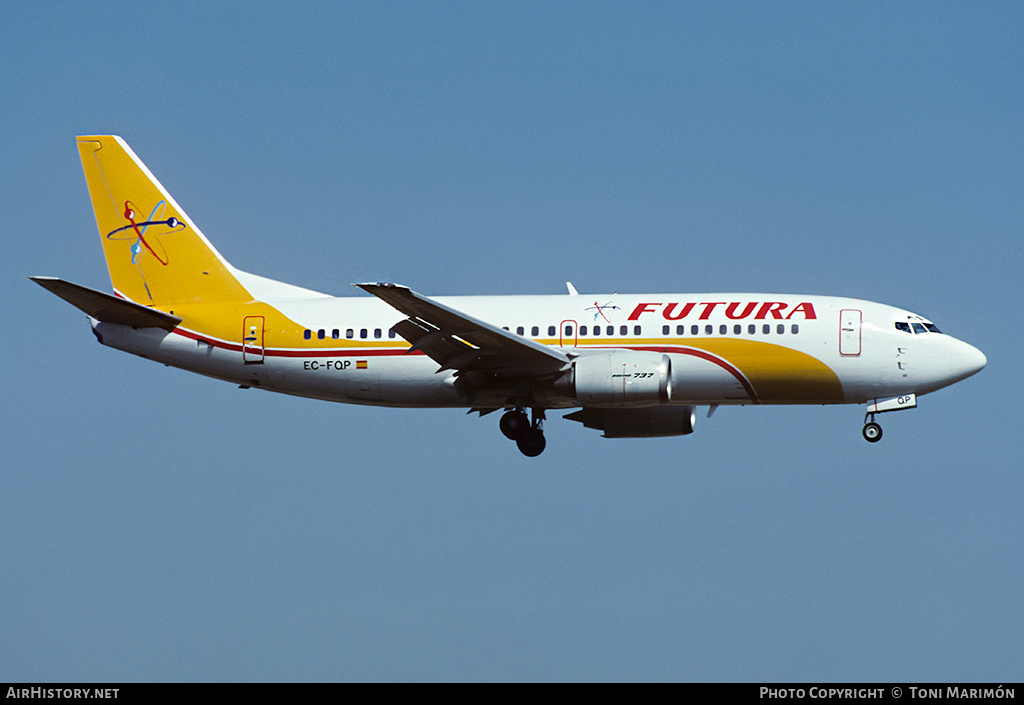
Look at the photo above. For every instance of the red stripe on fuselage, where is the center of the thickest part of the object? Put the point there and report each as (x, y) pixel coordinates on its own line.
(369, 352)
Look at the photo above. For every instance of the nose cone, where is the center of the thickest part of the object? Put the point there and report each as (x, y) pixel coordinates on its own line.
(964, 361)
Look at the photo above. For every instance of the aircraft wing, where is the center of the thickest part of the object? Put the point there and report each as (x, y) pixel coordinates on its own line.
(460, 342)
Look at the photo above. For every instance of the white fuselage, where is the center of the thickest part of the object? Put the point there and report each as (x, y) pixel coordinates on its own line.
(724, 348)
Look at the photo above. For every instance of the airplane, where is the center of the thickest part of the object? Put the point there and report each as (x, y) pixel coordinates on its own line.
(631, 366)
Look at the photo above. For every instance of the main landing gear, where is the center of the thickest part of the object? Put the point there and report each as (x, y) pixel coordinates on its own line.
(529, 437)
(872, 431)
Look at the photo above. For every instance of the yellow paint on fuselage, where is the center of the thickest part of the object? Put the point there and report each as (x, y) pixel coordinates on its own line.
(779, 375)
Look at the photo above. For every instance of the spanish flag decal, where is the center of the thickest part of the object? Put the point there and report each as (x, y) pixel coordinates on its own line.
(360, 364)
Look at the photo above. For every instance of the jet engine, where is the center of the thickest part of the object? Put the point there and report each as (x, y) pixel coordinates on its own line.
(619, 378)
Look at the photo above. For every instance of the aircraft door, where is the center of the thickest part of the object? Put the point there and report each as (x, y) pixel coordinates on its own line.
(849, 331)
(252, 340)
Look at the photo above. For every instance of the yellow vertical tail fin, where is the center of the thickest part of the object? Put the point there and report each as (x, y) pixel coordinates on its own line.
(155, 253)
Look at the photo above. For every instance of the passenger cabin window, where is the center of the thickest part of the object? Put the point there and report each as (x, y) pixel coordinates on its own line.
(709, 329)
(520, 330)
(737, 329)
(694, 330)
(535, 331)
(751, 329)
(307, 334)
(349, 333)
(335, 333)
(610, 330)
(665, 330)
(583, 330)
(680, 330)
(568, 331)
(362, 332)
(551, 330)
(623, 330)
(320, 334)
(723, 329)
(376, 332)
(795, 329)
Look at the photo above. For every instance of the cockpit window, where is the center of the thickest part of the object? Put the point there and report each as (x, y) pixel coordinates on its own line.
(917, 327)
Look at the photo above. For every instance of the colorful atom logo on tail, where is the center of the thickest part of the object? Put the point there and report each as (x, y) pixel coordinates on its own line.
(144, 236)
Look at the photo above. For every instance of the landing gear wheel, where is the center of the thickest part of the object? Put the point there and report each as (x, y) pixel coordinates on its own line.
(532, 443)
(514, 424)
(872, 432)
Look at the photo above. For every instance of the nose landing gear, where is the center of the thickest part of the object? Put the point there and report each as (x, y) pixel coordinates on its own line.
(529, 437)
(872, 432)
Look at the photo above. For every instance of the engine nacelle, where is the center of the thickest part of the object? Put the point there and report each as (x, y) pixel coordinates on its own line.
(652, 422)
(619, 378)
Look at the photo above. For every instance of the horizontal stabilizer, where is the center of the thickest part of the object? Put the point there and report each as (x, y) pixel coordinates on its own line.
(106, 307)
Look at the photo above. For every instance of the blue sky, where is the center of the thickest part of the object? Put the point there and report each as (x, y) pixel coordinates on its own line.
(160, 526)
